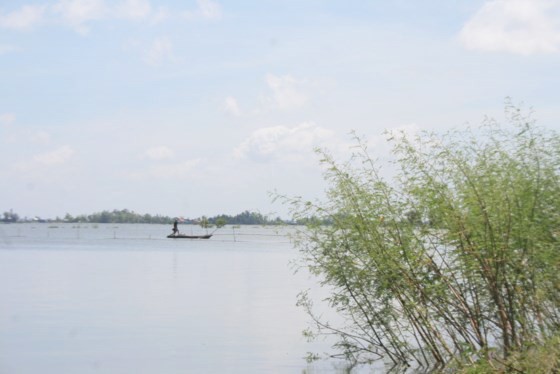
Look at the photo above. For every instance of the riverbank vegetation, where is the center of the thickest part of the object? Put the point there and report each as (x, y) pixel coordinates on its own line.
(452, 264)
(129, 216)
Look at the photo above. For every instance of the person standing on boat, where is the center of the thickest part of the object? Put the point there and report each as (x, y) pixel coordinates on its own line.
(175, 229)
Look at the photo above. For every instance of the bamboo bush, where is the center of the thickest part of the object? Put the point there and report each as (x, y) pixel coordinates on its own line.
(456, 259)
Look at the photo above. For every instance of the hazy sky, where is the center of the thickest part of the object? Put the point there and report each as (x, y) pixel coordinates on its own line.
(190, 108)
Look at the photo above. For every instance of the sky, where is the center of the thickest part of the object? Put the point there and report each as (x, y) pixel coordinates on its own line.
(203, 107)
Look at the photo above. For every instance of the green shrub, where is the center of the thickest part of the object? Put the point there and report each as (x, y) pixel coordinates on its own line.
(456, 258)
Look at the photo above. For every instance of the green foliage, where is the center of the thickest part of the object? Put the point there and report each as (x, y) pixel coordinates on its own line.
(539, 358)
(127, 216)
(119, 216)
(457, 257)
(10, 217)
(220, 222)
(204, 223)
(246, 218)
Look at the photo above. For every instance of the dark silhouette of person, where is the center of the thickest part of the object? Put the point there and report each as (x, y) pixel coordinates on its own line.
(175, 229)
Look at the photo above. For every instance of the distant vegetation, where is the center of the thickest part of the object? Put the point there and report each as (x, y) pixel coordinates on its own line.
(247, 218)
(116, 216)
(10, 217)
(129, 216)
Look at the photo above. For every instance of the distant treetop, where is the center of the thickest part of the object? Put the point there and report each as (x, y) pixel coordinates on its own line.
(129, 216)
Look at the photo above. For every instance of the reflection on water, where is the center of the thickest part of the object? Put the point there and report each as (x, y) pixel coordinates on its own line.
(123, 299)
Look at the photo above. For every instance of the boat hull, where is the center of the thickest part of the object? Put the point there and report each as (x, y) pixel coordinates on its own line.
(181, 236)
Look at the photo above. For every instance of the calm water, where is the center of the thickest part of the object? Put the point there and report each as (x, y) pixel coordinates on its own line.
(124, 299)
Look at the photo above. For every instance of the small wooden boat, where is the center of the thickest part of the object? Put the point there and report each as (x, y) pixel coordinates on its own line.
(182, 236)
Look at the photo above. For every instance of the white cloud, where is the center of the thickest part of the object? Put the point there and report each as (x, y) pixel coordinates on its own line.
(207, 9)
(78, 12)
(514, 26)
(287, 144)
(24, 18)
(7, 118)
(46, 161)
(159, 153)
(231, 106)
(56, 157)
(160, 51)
(285, 92)
(134, 9)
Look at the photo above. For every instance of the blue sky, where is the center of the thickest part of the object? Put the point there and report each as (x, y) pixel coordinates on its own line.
(190, 108)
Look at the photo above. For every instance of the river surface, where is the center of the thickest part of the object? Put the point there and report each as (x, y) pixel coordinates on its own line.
(122, 298)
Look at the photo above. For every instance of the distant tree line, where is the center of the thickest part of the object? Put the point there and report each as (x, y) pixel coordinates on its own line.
(247, 218)
(10, 217)
(117, 216)
(129, 216)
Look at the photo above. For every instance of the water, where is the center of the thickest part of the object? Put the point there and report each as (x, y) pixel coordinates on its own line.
(124, 299)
